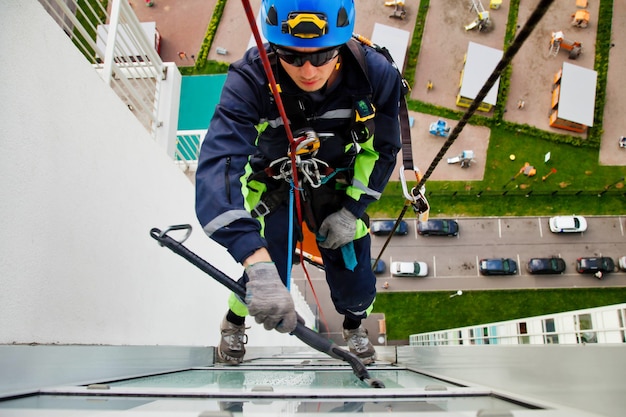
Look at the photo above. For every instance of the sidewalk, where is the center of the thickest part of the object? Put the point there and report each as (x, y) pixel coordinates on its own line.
(182, 25)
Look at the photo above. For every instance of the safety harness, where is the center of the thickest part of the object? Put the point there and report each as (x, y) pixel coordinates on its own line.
(313, 171)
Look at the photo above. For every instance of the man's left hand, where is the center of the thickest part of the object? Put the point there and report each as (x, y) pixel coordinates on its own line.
(337, 229)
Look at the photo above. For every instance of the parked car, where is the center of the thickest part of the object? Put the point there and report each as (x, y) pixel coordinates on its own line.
(595, 264)
(552, 265)
(409, 269)
(384, 227)
(438, 227)
(622, 263)
(568, 224)
(380, 266)
(497, 266)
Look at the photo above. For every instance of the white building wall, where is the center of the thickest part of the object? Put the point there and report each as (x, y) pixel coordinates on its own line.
(593, 325)
(610, 321)
(568, 329)
(82, 185)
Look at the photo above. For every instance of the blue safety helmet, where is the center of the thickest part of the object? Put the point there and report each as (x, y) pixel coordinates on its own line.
(307, 23)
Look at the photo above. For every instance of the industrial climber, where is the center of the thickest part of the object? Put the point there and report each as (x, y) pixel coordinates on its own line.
(341, 99)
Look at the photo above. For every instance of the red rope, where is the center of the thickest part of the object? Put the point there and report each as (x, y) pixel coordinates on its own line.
(292, 142)
(279, 102)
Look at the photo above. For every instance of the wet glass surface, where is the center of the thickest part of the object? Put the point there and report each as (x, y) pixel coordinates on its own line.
(270, 391)
(279, 380)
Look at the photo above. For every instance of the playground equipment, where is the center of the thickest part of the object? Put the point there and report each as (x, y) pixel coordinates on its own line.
(559, 42)
(580, 18)
(465, 158)
(552, 171)
(483, 21)
(528, 170)
(439, 128)
(398, 12)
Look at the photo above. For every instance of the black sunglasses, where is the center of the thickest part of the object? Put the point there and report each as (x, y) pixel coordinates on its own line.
(297, 59)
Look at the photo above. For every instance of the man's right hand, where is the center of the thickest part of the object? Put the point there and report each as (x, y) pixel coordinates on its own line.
(267, 298)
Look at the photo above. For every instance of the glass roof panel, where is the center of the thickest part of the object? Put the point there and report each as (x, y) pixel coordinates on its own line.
(248, 406)
(280, 379)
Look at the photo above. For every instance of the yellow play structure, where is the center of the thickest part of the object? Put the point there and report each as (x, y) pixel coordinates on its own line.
(483, 20)
(399, 12)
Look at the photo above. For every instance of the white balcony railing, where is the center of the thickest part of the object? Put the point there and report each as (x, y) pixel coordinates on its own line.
(122, 50)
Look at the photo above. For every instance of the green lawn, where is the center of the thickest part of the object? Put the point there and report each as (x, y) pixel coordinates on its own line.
(579, 185)
(409, 313)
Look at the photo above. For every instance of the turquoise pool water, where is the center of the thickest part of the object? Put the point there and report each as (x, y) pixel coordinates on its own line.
(198, 97)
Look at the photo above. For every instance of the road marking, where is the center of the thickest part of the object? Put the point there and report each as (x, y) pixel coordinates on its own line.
(540, 228)
(500, 228)
(519, 265)
(434, 266)
(477, 267)
(621, 226)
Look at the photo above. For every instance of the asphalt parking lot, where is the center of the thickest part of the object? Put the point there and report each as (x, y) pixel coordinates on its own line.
(453, 261)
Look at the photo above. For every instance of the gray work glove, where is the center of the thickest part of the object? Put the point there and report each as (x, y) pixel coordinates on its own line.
(267, 298)
(337, 229)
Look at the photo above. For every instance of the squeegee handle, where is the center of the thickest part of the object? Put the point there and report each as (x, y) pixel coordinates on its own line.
(308, 336)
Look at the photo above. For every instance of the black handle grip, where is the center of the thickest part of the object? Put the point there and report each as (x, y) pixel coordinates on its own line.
(308, 336)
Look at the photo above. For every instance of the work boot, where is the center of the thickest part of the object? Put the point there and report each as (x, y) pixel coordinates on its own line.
(360, 344)
(231, 348)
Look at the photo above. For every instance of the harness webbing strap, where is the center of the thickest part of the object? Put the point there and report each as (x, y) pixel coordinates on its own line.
(405, 125)
(405, 133)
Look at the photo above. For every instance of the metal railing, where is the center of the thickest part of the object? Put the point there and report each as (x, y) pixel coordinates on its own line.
(117, 44)
(606, 324)
(188, 147)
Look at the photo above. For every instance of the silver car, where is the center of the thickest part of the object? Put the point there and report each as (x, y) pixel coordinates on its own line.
(568, 224)
(409, 269)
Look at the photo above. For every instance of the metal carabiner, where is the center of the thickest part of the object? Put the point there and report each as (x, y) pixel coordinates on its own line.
(417, 198)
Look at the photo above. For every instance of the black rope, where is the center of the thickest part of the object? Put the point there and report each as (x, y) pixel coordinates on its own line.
(519, 40)
(506, 59)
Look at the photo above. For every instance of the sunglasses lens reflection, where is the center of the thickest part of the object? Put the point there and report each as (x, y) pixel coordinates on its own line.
(317, 59)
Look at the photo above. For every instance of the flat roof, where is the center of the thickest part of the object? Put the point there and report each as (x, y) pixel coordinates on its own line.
(394, 39)
(479, 64)
(578, 94)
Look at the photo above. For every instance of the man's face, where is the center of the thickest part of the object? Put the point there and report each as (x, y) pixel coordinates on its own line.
(301, 69)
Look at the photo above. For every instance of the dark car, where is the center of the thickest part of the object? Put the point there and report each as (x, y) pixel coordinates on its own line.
(379, 266)
(546, 265)
(438, 227)
(384, 227)
(497, 266)
(595, 264)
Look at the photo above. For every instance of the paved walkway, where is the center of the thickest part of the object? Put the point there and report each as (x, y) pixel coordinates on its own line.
(182, 25)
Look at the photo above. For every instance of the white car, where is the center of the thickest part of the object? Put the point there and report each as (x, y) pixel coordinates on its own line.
(621, 262)
(409, 269)
(568, 224)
